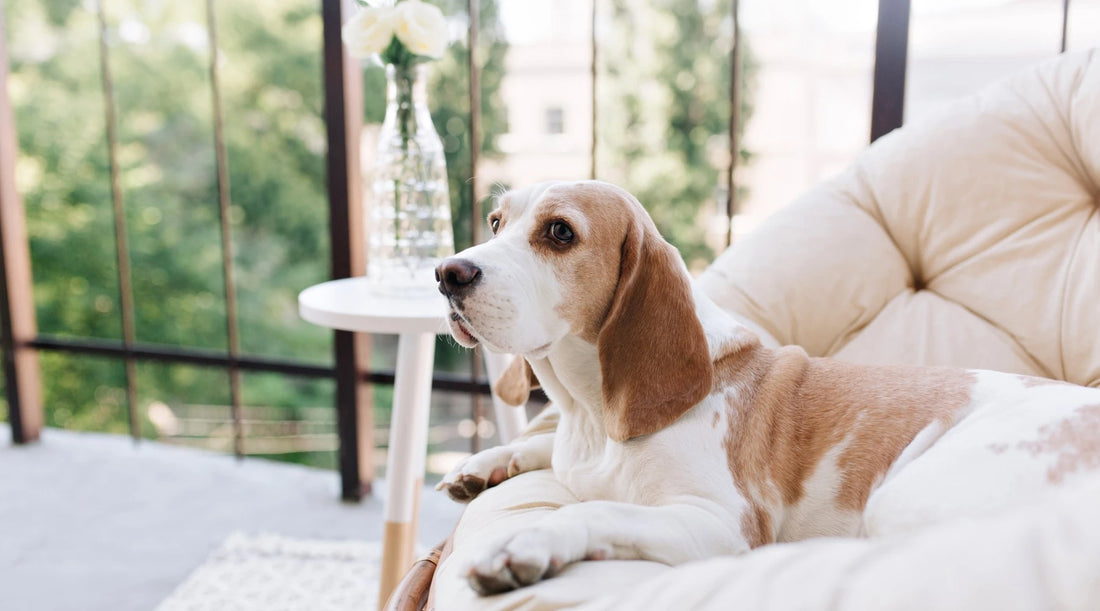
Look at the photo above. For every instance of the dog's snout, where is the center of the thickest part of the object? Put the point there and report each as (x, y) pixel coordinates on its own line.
(456, 276)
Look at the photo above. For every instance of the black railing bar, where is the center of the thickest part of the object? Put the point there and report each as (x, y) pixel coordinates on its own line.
(445, 382)
(122, 246)
(213, 358)
(177, 354)
(595, 104)
(222, 160)
(474, 86)
(735, 120)
(891, 50)
(1065, 25)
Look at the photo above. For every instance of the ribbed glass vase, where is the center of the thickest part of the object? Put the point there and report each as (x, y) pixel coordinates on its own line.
(409, 226)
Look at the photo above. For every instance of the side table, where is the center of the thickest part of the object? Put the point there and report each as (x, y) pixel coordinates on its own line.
(348, 305)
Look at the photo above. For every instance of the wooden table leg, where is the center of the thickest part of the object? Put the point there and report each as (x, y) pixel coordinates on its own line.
(511, 420)
(405, 463)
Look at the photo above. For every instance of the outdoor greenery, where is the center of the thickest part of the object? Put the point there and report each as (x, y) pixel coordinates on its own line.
(664, 70)
(271, 85)
(665, 74)
(159, 60)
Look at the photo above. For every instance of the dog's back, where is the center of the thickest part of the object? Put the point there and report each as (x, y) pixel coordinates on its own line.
(810, 440)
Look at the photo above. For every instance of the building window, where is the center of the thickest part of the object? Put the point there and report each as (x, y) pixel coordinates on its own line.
(555, 120)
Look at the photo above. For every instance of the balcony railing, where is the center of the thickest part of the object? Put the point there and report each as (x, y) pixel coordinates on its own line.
(343, 111)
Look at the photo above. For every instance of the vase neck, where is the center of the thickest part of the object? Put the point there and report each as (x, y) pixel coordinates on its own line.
(406, 85)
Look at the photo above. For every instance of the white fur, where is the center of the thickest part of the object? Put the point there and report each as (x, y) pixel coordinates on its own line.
(816, 513)
(670, 496)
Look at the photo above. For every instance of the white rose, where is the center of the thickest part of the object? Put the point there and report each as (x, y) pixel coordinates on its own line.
(421, 28)
(370, 31)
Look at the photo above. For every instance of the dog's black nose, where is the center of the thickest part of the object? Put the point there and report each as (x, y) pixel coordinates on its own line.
(457, 276)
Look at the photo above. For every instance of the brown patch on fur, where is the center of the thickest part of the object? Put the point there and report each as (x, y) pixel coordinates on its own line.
(1076, 441)
(714, 421)
(589, 270)
(516, 382)
(628, 293)
(756, 526)
(653, 352)
(790, 410)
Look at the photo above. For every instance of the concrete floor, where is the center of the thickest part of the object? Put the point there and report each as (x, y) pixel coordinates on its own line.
(91, 521)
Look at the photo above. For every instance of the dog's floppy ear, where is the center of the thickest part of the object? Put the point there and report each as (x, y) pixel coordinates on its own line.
(516, 383)
(652, 349)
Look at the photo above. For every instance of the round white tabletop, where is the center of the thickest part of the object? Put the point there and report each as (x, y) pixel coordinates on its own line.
(349, 305)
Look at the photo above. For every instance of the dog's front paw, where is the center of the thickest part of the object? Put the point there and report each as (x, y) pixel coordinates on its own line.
(522, 560)
(474, 474)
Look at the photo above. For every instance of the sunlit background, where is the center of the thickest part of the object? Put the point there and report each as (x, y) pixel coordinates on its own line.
(662, 85)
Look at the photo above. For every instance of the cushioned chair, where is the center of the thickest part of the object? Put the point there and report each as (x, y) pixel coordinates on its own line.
(970, 239)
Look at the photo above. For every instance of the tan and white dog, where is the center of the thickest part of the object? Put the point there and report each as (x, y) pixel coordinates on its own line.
(687, 438)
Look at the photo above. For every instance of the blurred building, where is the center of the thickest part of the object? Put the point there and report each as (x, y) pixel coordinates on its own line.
(547, 91)
(811, 94)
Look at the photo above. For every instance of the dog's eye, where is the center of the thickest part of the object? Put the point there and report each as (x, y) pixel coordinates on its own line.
(494, 224)
(560, 232)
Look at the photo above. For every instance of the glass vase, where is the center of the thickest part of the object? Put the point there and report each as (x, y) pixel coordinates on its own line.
(409, 227)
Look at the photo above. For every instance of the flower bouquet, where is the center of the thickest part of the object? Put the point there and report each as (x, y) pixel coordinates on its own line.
(409, 227)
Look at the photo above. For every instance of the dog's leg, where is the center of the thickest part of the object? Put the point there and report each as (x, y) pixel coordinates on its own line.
(529, 452)
(605, 530)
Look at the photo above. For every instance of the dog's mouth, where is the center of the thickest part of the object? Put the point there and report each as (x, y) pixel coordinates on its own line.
(461, 330)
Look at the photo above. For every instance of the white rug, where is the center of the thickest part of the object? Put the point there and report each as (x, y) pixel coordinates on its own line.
(274, 573)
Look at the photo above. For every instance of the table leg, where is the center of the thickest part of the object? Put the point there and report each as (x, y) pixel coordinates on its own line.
(511, 420)
(405, 464)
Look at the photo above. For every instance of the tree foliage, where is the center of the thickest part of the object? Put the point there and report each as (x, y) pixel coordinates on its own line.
(273, 100)
(665, 74)
(663, 86)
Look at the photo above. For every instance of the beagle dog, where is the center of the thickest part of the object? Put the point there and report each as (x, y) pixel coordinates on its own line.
(687, 439)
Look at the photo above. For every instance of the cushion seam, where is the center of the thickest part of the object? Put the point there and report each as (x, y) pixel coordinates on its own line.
(997, 241)
(1063, 300)
(1015, 340)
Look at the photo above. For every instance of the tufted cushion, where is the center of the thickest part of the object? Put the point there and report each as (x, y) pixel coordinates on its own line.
(971, 238)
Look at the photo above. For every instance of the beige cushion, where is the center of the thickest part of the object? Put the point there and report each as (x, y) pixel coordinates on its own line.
(971, 238)
(1040, 557)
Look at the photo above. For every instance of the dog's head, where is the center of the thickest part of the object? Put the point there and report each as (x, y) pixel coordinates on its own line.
(584, 259)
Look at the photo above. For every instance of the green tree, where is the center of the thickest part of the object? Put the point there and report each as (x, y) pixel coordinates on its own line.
(272, 91)
(159, 58)
(665, 72)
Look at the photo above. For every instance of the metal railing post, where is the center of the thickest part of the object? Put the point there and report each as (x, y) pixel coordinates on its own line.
(1065, 27)
(221, 156)
(474, 91)
(343, 120)
(17, 316)
(735, 120)
(594, 70)
(891, 51)
(118, 206)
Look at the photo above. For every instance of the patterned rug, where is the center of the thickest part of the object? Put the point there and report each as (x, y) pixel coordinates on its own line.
(274, 573)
